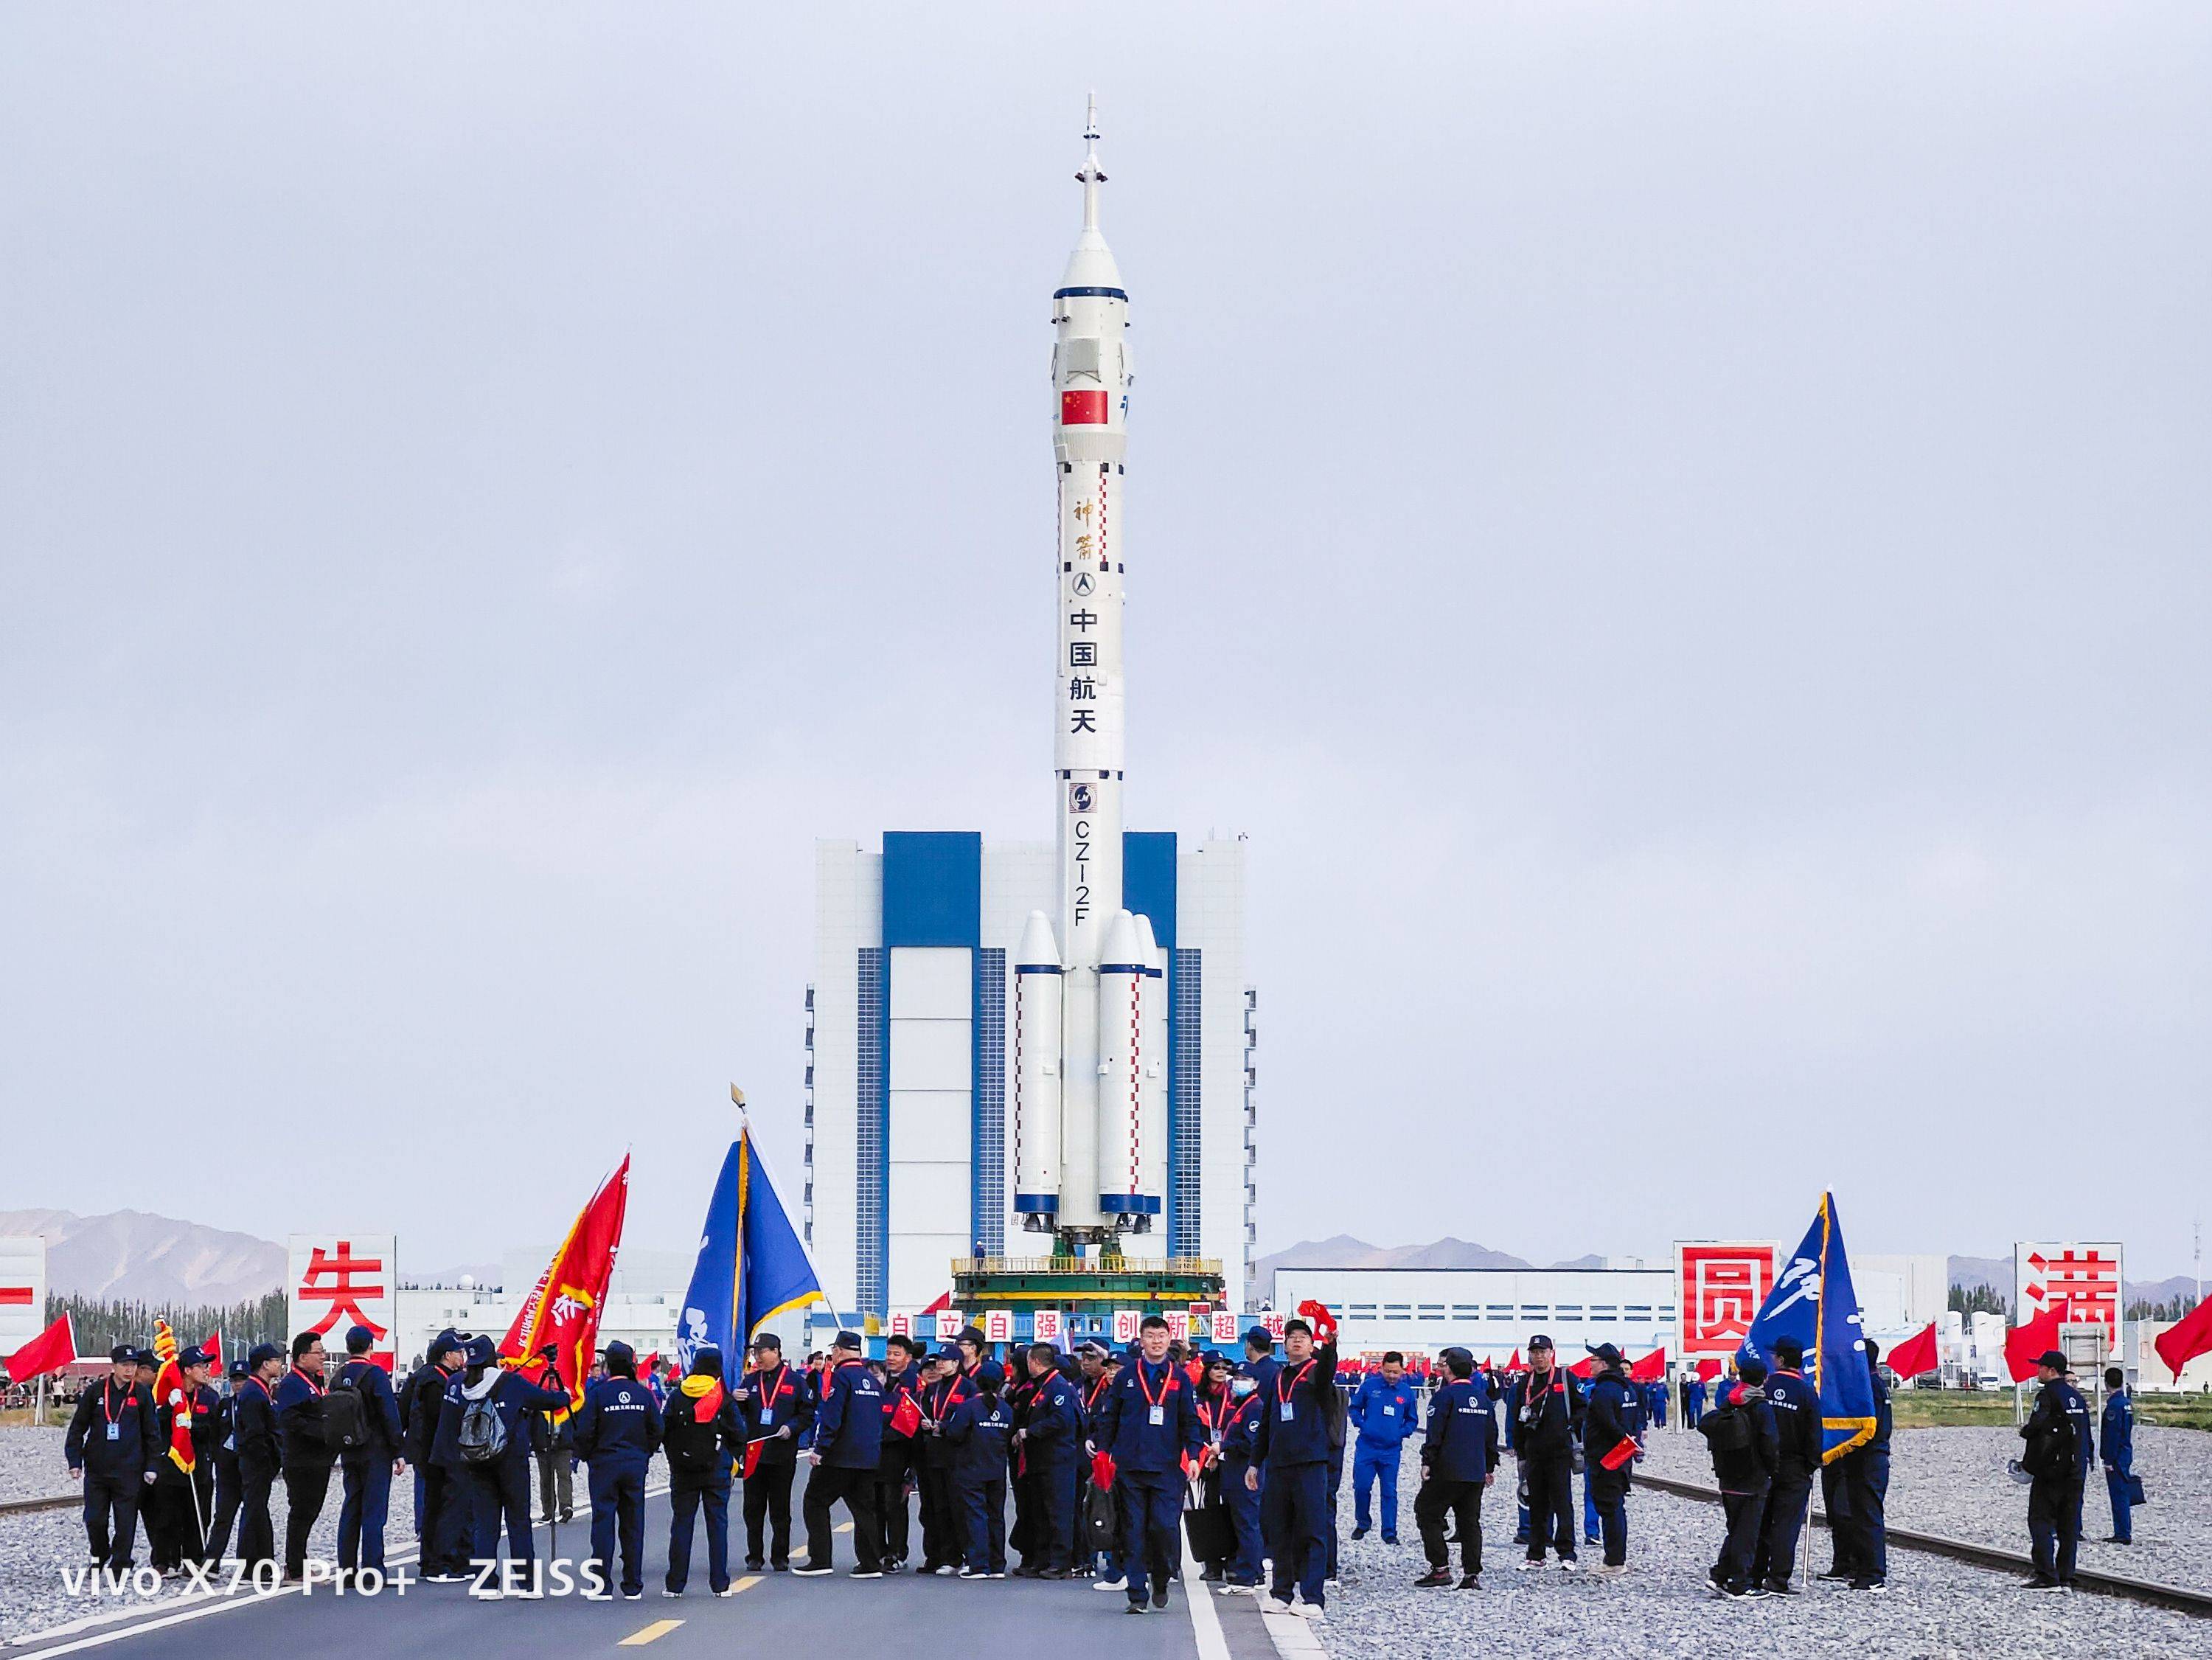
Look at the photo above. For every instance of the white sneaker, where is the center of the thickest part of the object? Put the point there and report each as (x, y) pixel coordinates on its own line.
(1108, 1584)
(946, 1569)
(664, 1592)
(1311, 1614)
(486, 1593)
(1526, 1565)
(528, 1593)
(1568, 1565)
(1608, 1570)
(1270, 1604)
(727, 1590)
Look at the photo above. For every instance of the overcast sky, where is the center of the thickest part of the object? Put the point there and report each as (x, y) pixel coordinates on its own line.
(1680, 534)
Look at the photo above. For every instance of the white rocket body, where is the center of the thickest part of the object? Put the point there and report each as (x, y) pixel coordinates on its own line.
(1152, 1082)
(1097, 1150)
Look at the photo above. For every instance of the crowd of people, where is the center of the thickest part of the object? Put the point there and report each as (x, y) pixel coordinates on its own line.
(1109, 1460)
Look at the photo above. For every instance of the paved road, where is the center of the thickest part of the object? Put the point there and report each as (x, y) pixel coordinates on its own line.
(877, 1616)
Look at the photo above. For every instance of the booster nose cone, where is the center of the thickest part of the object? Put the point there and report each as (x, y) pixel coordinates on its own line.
(1119, 953)
(1037, 950)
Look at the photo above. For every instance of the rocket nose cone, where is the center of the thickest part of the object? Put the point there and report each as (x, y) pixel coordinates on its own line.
(1038, 949)
(1121, 942)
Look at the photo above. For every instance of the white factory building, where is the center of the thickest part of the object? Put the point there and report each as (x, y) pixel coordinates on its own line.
(1492, 1311)
(909, 1132)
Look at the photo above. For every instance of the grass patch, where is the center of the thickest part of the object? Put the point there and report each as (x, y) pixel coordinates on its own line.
(1928, 1410)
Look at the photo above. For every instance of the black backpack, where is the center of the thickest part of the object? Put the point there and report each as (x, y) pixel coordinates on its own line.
(345, 1417)
(483, 1433)
(693, 1448)
(1727, 1429)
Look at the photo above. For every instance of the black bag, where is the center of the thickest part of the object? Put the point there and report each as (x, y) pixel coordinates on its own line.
(482, 1434)
(693, 1448)
(1726, 1429)
(1102, 1521)
(345, 1417)
(1213, 1535)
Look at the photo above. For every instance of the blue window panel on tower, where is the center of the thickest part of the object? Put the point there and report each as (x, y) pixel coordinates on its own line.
(989, 1158)
(1186, 983)
(1148, 880)
(872, 1141)
(933, 888)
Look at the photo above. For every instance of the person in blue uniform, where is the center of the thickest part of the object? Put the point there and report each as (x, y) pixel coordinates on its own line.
(181, 1501)
(367, 1494)
(441, 1519)
(942, 1537)
(980, 1431)
(1385, 1410)
(1148, 1423)
(260, 1455)
(229, 1489)
(1693, 1401)
(111, 1446)
(1612, 1415)
(1291, 1470)
(704, 1440)
(1655, 1397)
(1866, 1475)
(616, 1432)
(898, 1453)
(308, 1456)
(1458, 1459)
(1237, 1434)
(1048, 1445)
(484, 1437)
(2116, 1448)
(1095, 1370)
(2057, 1467)
(1797, 1407)
(849, 1434)
(1744, 1448)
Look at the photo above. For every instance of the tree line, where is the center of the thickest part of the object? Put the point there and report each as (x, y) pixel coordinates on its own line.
(100, 1323)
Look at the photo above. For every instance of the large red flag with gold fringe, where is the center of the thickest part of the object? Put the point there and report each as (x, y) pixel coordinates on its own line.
(169, 1391)
(562, 1314)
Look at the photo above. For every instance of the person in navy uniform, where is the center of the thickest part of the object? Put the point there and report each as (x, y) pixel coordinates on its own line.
(442, 1516)
(2055, 1432)
(1612, 1415)
(617, 1430)
(778, 1409)
(896, 1455)
(943, 1388)
(1797, 1407)
(367, 1494)
(1866, 1473)
(181, 1502)
(113, 1441)
(1047, 1444)
(1458, 1459)
(981, 1433)
(2117, 1442)
(1240, 1427)
(848, 1433)
(307, 1455)
(497, 1483)
(230, 1492)
(703, 1438)
(1148, 1424)
(1385, 1410)
(1291, 1469)
(1744, 1473)
(260, 1454)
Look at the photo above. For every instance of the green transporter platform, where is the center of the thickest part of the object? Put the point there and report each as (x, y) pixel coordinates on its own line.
(1086, 1292)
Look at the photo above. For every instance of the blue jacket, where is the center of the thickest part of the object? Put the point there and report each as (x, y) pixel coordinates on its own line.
(388, 1436)
(1052, 1434)
(2119, 1430)
(618, 1426)
(137, 1440)
(1882, 1419)
(253, 1423)
(1240, 1429)
(978, 1430)
(298, 1399)
(1123, 1425)
(849, 1426)
(512, 1395)
(1797, 1423)
(1462, 1442)
(1384, 1413)
(1612, 1414)
(1294, 1412)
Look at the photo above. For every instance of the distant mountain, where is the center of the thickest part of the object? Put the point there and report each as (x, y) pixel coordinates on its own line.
(128, 1254)
(1344, 1251)
(1592, 1261)
(1994, 1272)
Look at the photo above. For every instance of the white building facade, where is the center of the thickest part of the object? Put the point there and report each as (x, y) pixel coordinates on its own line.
(1492, 1311)
(910, 1131)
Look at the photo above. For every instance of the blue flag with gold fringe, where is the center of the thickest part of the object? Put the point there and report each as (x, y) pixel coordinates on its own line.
(1814, 1302)
(751, 1266)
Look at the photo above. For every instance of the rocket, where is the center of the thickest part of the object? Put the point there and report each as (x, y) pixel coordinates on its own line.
(1090, 997)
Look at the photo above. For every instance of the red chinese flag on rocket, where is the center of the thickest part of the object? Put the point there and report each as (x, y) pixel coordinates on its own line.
(562, 1313)
(1082, 408)
(1914, 1355)
(2186, 1339)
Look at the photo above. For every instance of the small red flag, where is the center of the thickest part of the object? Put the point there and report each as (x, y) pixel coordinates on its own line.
(1101, 1471)
(1708, 1369)
(1914, 1354)
(2024, 1344)
(753, 1456)
(2189, 1337)
(1585, 1369)
(1619, 1453)
(943, 1301)
(1082, 408)
(1651, 1368)
(1514, 1365)
(906, 1417)
(50, 1351)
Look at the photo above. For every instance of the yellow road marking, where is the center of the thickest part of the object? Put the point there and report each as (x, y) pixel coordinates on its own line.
(748, 1582)
(652, 1634)
(844, 1526)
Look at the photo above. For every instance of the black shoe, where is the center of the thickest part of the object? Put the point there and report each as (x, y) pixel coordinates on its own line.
(1359, 1532)
(1054, 1573)
(1470, 1582)
(781, 1567)
(1213, 1576)
(1837, 1573)
(2115, 1539)
(1134, 1608)
(1434, 1580)
(753, 1565)
(1869, 1585)
(1389, 1538)
(894, 1567)
(1779, 1588)
(2039, 1582)
(807, 1571)
(1159, 1599)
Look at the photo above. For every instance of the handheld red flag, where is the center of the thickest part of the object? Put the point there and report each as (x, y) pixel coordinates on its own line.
(50, 1351)
(1322, 1322)
(2189, 1337)
(1514, 1365)
(1619, 1453)
(906, 1417)
(1708, 1369)
(1651, 1368)
(562, 1313)
(752, 1455)
(1914, 1354)
(2023, 1344)
(211, 1346)
(1101, 1471)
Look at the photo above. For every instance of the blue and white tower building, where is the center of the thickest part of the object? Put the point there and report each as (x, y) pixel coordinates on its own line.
(1030, 1044)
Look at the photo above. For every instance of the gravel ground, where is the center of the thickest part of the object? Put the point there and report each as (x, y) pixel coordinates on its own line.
(31, 1463)
(1935, 1606)
(1952, 1481)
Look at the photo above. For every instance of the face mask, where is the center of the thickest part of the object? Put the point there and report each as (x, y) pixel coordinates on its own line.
(1243, 1386)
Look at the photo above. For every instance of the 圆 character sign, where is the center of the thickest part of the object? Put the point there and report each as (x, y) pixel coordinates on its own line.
(1719, 1288)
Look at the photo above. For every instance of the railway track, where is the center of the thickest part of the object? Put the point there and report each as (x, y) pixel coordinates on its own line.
(25, 1506)
(2181, 1598)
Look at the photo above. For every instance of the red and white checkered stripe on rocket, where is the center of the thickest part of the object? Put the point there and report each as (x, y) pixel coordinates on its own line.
(1136, 1077)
